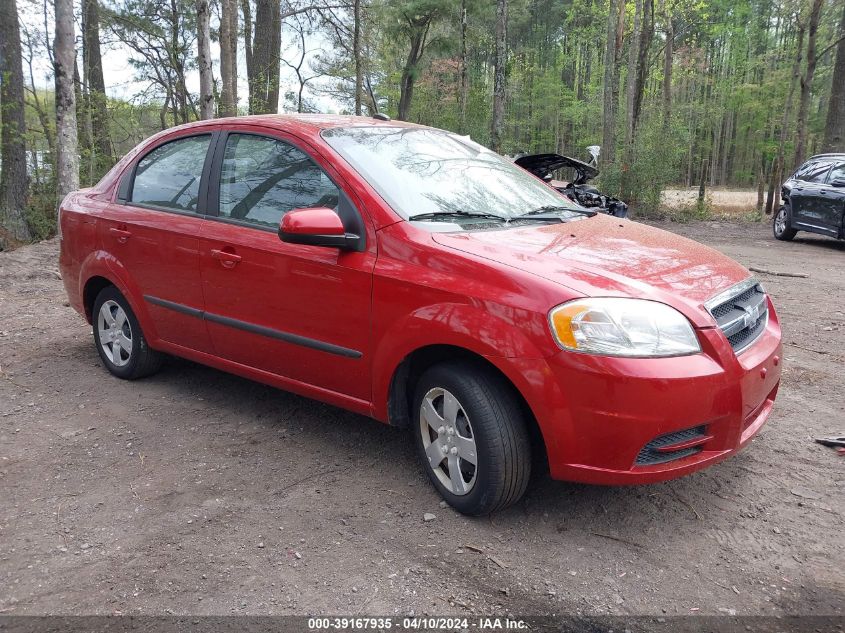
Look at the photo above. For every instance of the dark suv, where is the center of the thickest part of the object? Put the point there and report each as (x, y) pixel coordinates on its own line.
(813, 199)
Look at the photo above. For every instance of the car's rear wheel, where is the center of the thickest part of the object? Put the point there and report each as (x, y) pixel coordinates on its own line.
(780, 224)
(472, 437)
(118, 337)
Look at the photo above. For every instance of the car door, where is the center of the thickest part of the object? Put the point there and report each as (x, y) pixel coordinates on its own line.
(833, 208)
(808, 198)
(293, 310)
(152, 233)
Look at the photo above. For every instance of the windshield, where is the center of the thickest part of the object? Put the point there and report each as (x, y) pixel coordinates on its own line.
(426, 172)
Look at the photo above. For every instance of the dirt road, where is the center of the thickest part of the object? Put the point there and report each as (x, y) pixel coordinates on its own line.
(196, 492)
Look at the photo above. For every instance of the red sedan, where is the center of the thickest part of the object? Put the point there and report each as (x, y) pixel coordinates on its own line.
(411, 275)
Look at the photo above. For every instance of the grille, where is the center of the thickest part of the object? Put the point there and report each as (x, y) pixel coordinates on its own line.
(741, 313)
(745, 337)
(724, 309)
(651, 453)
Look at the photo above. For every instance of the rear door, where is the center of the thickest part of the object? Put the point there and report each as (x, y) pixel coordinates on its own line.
(152, 231)
(293, 310)
(808, 198)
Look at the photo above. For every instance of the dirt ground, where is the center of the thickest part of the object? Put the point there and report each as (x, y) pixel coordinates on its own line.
(721, 200)
(196, 492)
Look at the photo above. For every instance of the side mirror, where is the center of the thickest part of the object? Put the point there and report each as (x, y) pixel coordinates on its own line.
(318, 226)
(837, 182)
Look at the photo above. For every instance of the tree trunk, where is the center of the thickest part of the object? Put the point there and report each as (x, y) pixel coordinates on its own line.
(633, 54)
(807, 83)
(204, 60)
(406, 82)
(778, 160)
(356, 53)
(64, 52)
(498, 120)
(92, 62)
(229, 57)
(13, 178)
(667, 70)
(646, 37)
(615, 83)
(834, 127)
(162, 113)
(84, 133)
(418, 27)
(463, 93)
(257, 77)
(264, 66)
(638, 68)
(247, 11)
(774, 183)
(609, 94)
(180, 89)
(637, 73)
(274, 68)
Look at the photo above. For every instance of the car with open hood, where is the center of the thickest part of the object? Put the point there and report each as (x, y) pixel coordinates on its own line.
(411, 275)
(577, 188)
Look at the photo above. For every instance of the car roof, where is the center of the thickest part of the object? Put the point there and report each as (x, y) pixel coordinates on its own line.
(828, 155)
(312, 122)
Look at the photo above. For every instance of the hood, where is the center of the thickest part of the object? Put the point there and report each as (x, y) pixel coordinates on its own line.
(605, 256)
(541, 165)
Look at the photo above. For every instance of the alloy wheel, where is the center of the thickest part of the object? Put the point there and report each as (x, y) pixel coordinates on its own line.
(115, 333)
(780, 221)
(448, 441)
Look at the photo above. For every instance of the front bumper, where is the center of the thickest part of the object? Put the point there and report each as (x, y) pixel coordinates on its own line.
(597, 413)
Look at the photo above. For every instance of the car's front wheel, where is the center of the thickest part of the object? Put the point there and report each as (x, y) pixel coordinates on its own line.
(780, 225)
(120, 342)
(472, 437)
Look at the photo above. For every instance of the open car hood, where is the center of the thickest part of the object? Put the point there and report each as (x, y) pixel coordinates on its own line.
(542, 165)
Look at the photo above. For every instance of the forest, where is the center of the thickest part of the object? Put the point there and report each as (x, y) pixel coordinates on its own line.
(731, 93)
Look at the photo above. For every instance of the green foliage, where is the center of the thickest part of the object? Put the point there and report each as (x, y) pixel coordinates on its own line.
(40, 213)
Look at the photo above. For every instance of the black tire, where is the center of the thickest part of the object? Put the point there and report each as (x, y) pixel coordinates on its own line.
(141, 360)
(781, 227)
(498, 428)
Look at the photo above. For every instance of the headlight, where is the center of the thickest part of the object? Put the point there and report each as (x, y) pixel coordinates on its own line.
(622, 327)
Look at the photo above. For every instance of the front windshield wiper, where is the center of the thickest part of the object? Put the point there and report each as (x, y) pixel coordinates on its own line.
(436, 215)
(550, 209)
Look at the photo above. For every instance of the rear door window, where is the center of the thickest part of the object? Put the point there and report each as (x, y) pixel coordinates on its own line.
(837, 173)
(169, 176)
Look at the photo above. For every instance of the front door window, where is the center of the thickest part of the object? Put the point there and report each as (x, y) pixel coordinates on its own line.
(264, 178)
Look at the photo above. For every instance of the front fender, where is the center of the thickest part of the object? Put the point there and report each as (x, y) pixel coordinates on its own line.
(469, 327)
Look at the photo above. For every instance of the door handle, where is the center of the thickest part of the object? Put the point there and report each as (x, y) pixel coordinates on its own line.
(121, 234)
(226, 259)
